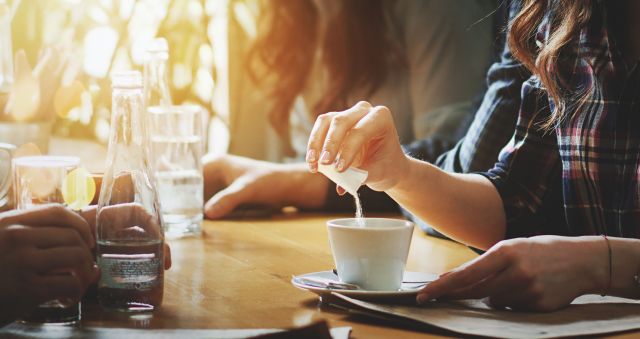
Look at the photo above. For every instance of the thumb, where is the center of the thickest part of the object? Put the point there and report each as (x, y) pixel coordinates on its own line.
(223, 202)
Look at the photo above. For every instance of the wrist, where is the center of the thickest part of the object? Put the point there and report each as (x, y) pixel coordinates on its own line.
(626, 265)
(613, 274)
(405, 175)
(597, 265)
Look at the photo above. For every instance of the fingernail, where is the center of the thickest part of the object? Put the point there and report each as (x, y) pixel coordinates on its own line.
(422, 299)
(324, 157)
(313, 167)
(311, 155)
(340, 165)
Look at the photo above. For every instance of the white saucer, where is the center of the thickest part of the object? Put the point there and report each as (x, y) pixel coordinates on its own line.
(409, 289)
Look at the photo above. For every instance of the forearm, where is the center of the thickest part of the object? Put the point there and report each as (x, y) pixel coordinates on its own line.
(303, 189)
(465, 207)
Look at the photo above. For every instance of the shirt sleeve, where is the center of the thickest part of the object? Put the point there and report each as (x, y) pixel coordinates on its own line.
(495, 119)
(528, 169)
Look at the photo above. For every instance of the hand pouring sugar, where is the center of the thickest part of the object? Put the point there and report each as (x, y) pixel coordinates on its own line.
(350, 180)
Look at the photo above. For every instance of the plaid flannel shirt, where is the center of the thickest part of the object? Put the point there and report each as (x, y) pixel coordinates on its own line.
(582, 177)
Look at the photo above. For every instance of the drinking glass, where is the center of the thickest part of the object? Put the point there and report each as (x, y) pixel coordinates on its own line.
(39, 180)
(6, 154)
(176, 153)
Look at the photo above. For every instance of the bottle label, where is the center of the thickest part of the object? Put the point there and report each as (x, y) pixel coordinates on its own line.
(135, 271)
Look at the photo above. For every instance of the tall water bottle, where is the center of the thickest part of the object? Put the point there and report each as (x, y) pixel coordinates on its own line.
(130, 251)
(6, 50)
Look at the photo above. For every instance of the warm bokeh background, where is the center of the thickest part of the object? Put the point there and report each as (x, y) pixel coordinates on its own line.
(96, 37)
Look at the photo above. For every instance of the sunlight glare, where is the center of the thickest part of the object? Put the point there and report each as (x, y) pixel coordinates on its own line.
(99, 46)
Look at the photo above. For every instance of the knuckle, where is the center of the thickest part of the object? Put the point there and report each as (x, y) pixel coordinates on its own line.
(329, 144)
(339, 120)
(58, 210)
(324, 118)
(506, 249)
(535, 292)
(213, 159)
(382, 111)
(525, 275)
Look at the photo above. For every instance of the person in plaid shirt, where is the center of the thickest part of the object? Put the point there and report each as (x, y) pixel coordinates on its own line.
(568, 175)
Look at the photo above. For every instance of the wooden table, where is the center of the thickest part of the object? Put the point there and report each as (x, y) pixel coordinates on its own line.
(238, 276)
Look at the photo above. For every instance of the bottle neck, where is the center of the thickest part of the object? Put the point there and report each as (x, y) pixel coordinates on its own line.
(128, 126)
(156, 79)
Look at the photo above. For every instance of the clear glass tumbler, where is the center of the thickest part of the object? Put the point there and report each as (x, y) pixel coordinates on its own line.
(176, 153)
(6, 153)
(39, 180)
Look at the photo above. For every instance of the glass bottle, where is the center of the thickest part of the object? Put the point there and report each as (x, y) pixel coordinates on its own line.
(130, 237)
(6, 49)
(156, 80)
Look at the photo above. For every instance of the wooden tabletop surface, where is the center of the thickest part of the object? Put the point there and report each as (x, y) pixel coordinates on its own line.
(237, 275)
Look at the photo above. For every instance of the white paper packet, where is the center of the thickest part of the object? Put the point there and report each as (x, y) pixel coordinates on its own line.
(351, 179)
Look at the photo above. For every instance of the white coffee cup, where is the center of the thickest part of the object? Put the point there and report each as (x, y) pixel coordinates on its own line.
(371, 254)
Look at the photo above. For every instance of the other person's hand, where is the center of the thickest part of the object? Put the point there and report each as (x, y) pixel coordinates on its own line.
(542, 273)
(36, 245)
(362, 136)
(232, 181)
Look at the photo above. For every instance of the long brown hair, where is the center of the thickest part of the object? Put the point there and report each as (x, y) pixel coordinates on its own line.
(547, 62)
(358, 51)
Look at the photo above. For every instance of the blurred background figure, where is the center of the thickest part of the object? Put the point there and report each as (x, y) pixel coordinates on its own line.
(294, 60)
(297, 59)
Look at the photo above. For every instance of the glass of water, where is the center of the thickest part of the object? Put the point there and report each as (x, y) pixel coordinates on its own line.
(39, 180)
(177, 140)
